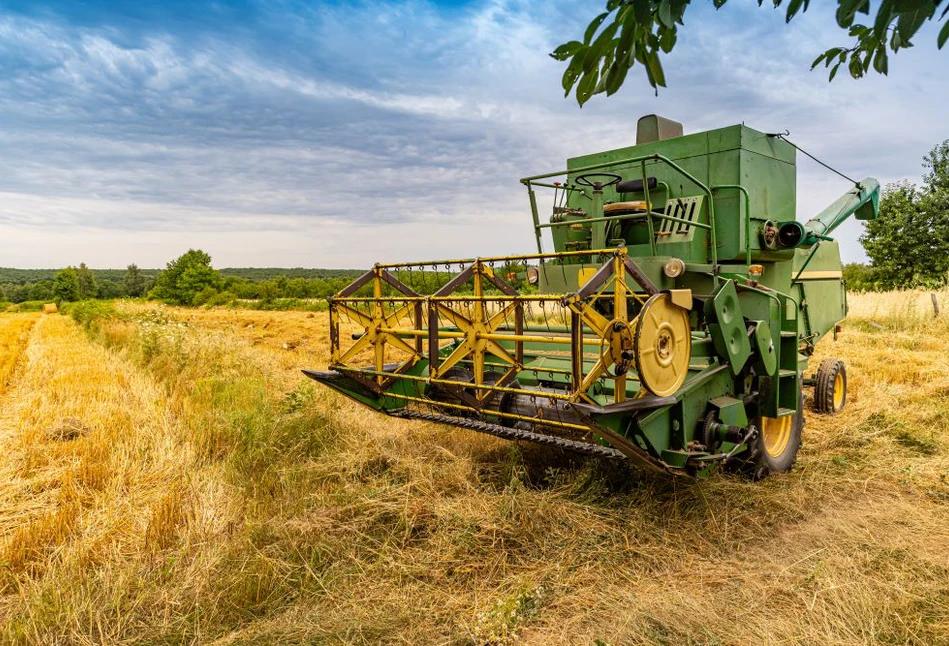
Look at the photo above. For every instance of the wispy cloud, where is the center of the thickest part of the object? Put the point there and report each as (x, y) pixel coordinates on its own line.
(338, 133)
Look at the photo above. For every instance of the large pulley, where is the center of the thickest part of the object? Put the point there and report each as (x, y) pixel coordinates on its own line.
(662, 345)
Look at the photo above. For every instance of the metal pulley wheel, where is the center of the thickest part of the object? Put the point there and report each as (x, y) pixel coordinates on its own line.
(662, 345)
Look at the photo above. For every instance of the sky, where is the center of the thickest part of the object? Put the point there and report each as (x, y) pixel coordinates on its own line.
(289, 134)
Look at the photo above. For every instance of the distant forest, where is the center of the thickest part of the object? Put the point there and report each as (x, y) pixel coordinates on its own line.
(33, 285)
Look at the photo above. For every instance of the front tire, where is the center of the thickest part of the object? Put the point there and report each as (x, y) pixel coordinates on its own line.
(775, 447)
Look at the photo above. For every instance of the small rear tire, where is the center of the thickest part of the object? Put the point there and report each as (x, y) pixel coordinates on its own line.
(830, 388)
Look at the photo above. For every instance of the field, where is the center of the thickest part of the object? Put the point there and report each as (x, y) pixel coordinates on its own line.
(169, 476)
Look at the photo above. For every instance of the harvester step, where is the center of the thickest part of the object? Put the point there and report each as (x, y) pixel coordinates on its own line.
(508, 433)
(787, 373)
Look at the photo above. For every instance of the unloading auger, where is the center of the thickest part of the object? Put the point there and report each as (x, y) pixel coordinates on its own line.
(670, 327)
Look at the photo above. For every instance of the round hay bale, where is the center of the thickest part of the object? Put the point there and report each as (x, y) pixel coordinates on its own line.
(50, 308)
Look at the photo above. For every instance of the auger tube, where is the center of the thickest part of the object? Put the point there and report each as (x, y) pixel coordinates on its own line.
(863, 201)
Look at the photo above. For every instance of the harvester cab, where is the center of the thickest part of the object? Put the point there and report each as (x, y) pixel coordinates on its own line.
(669, 326)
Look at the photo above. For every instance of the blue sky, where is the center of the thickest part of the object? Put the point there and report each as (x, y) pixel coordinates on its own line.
(339, 134)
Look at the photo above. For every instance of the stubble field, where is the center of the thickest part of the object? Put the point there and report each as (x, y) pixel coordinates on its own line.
(169, 476)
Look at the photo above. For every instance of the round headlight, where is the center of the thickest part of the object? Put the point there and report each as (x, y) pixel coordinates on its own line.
(673, 268)
(533, 275)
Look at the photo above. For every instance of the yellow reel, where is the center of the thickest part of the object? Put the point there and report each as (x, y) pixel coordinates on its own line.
(662, 344)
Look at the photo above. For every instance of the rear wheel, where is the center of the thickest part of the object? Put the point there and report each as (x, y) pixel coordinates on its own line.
(775, 447)
(830, 389)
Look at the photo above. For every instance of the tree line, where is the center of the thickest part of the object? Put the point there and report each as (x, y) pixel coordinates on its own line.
(180, 282)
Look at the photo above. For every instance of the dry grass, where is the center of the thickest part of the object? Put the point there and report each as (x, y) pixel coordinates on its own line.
(180, 482)
(14, 335)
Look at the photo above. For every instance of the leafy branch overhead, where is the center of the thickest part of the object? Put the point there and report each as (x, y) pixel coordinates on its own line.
(642, 31)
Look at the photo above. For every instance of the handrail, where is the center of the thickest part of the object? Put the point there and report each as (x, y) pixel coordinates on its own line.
(641, 159)
(489, 259)
(628, 216)
(744, 191)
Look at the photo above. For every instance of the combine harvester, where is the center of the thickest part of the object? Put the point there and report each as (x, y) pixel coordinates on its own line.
(670, 327)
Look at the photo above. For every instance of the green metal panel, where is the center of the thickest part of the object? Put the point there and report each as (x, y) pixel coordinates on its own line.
(728, 330)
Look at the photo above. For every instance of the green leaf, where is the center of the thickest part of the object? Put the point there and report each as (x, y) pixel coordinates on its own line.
(616, 76)
(667, 39)
(793, 7)
(833, 73)
(847, 9)
(628, 34)
(594, 25)
(856, 66)
(883, 19)
(586, 86)
(896, 42)
(572, 73)
(603, 41)
(590, 59)
(880, 62)
(943, 35)
(664, 14)
(655, 70)
(909, 22)
(565, 51)
(643, 11)
(827, 56)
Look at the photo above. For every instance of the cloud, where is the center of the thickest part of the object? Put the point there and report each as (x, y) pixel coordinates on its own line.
(335, 134)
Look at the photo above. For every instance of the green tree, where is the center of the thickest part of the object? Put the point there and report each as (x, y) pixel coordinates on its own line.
(133, 281)
(184, 277)
(908, 243)
(110, 289)
(642, 31)
(66, 285)
(86, 282)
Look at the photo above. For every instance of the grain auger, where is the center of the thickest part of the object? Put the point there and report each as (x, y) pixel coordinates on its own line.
(670, 326)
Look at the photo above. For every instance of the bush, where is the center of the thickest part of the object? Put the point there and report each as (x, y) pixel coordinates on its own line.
(283, 304)
(88, 313)
(203, 296)
(221, 299)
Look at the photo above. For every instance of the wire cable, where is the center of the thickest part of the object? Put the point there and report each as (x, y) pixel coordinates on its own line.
(784, 136)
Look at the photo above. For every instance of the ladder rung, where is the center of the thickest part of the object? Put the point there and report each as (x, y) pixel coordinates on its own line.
(782, 412)
(787, 373)
(785, 334)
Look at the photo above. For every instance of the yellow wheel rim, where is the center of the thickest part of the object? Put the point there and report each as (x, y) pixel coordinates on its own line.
(776, 432)
(839, 391)
(663, 345)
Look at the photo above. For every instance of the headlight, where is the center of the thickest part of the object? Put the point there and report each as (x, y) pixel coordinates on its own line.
(533, 276)
(673, 268)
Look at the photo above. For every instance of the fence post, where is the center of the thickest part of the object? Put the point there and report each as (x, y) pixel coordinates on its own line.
(935, 305)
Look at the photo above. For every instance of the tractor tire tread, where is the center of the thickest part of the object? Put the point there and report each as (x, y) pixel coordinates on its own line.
(824, 386)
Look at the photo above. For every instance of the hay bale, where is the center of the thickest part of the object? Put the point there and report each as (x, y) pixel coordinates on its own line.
(50, 308)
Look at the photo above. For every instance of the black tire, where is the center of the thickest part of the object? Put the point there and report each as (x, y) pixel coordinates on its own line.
(830, 388)
(774, 449)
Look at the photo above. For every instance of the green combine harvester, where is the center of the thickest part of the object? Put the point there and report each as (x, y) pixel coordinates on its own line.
(671, 325)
